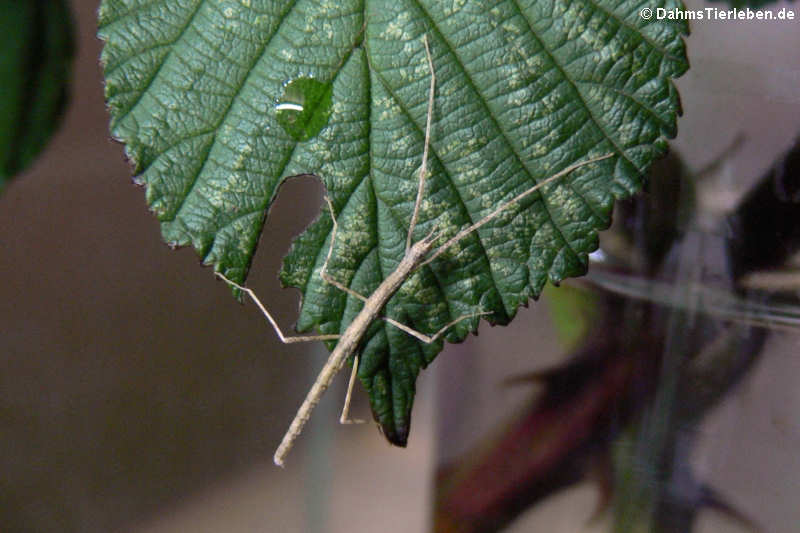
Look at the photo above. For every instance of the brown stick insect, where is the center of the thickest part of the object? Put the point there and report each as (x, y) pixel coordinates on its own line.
(417, 254)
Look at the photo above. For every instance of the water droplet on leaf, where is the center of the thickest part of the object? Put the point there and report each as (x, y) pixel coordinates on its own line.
(304, 108)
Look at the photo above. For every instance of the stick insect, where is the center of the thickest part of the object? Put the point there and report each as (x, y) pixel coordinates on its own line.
(417, 254)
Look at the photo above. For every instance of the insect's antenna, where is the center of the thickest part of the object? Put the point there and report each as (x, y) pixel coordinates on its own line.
(469, 229)
(423, 171)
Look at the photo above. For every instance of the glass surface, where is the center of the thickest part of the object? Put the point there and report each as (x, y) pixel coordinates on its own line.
(137, 395)
(675, 411)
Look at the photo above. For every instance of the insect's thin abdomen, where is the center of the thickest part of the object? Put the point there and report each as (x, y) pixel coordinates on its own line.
(323, 381)
(349, 342)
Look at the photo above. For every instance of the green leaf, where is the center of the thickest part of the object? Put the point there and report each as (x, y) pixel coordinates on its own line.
(574, 311)
(35, 56)
(524, 89)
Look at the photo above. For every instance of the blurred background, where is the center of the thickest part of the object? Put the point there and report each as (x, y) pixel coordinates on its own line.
(137, 395)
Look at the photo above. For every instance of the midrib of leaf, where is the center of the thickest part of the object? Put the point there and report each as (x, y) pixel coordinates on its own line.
(427, 268)
(228, 238)
(470, 217)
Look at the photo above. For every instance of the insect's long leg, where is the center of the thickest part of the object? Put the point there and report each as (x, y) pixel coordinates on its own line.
(469, 229)
(412, 260)
(345, 418)
(351, 339)
(423, 170)
(428, 339)
(285, 339)
(323, 273)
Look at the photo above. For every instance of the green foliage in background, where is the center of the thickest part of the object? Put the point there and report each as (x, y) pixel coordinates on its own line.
(213, 101)
(35, 57)
(574, 311)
